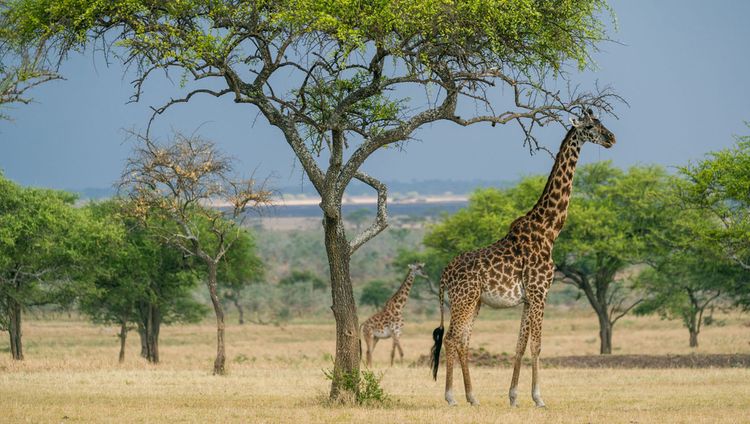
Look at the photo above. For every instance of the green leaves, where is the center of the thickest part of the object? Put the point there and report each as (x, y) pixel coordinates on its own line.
(47, 247)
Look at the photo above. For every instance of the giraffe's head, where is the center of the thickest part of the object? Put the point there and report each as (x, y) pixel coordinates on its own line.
(418, 269)
(589, 128)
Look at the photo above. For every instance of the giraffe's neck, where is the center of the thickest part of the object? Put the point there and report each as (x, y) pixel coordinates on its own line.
(551, 209)
(398, 300)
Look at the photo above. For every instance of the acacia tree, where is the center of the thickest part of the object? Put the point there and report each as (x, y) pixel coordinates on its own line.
(174, 187)
(338, 78)
(23, 66)
(138, 282)
(684, 283)
(45, 247)
(612, 217)
(718, 186)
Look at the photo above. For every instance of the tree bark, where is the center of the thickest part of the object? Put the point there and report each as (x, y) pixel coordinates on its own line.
(153, 334)
(14, 330)
(605, 335)
(144, 344)
(344, 310)
(219, 363)
(148, 329)
(693, 338)
(123, 338)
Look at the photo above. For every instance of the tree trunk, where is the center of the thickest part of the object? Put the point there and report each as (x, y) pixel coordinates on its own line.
(219, 363)
(693, 338)
(123, 338)
(153, 334)
(148, 329)
(144, 344)
(240, 310)
(14, 329)
(605, 335)
(344, 311)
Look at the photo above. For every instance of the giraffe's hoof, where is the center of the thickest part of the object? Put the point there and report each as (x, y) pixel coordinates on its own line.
(449, 399)
(536, 395)
(512, 396)
(472, 400)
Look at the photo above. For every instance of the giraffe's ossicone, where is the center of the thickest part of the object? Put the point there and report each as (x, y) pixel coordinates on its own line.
(517, 269)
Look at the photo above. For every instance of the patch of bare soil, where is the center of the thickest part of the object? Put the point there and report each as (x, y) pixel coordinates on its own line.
(483, 358)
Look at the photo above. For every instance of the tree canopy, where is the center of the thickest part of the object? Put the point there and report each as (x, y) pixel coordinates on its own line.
(139, 281)
(47, 249)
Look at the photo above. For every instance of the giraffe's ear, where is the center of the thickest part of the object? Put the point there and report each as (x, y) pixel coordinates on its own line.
(590, 114)
(574, 122)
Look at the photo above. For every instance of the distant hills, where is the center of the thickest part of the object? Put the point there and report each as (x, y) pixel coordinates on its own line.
(356, 188)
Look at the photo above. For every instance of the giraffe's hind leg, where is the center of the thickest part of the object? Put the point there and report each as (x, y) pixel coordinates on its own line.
(450, 357)
(400, 351)
(457, 346)
(463, 357)
(370, 342)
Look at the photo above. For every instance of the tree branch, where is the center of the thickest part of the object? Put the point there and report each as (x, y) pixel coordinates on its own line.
(380, 222)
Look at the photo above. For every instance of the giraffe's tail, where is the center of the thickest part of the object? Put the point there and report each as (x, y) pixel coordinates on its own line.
(437, 336)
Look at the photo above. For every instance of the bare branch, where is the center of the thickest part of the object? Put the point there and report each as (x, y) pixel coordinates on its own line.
(381, 219)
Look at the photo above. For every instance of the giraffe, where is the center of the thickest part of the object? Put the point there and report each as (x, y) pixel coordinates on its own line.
(389, 320)
(516, 269)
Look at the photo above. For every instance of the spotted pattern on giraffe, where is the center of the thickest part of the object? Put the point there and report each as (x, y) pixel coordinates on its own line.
(388, 322)
(517, 269)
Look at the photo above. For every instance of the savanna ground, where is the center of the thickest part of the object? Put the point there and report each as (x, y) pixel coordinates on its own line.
(276, 375)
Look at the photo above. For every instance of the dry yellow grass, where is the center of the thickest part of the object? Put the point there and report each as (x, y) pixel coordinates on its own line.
(71, 375)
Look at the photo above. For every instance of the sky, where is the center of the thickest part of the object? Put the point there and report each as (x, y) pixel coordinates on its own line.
(681, 65)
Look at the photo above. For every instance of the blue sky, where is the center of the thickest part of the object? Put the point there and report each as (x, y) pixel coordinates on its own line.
(681, 65)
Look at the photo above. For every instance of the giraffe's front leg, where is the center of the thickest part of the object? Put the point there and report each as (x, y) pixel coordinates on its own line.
(523, 337)
(537, 314)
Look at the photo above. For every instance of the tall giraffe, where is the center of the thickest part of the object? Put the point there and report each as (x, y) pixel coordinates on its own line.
(516, 269)
(389, 320)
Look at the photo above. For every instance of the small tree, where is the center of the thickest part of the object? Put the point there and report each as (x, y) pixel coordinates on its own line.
(306, 277)
(298, 291)
(139, 282)
(375, 293)
(178, 183)
(718, 186)
(683, 287)
(46, 248)
(239, 268)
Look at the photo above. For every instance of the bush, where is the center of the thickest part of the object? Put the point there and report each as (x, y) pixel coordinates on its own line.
(366, 385)
(375, 293)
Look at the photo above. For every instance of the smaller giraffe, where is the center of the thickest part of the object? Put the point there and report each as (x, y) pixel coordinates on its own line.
(389, 320)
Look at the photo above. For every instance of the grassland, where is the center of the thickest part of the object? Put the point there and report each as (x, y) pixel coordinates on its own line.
(275, 375)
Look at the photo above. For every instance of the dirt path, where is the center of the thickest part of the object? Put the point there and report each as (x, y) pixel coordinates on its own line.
(483, 358)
